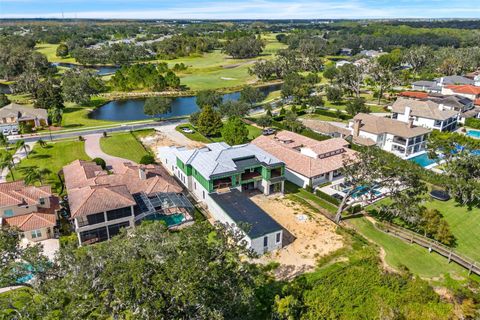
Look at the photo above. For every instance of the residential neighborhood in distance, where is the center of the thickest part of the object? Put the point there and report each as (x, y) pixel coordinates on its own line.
(254, 160)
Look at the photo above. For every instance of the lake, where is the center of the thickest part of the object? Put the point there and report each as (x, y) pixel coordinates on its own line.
(132, 109)
(101, 70)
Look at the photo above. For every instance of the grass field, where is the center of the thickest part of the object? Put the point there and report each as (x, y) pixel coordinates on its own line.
(53, 157)
(50, 50)
(398, 253)
(465, 225)
(125, 145)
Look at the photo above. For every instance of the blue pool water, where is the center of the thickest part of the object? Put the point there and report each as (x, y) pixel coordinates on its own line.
(360, 191)
(474, 134)
(27, 277)
(423, 160)
(170, 221)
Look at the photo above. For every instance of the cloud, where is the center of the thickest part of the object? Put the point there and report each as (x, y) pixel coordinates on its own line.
(254, 9)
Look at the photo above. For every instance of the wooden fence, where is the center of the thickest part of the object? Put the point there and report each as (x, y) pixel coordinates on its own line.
(432, 245)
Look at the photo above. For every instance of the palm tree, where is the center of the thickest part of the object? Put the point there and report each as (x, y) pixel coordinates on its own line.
(33, 174)
(8, 161)
(42, 143)
(21, 145)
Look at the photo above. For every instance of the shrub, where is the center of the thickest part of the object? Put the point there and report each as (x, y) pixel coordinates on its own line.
(147, 159)
(80, 138)
(472, 123)
(327, 197)
(100, 162)
(105, 134)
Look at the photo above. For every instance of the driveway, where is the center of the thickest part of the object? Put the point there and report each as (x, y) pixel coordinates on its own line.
(18, 156)
(93, 150)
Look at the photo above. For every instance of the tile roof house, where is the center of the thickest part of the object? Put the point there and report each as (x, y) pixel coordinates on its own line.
(308, 161)
(425, 113)
(468, 91)
(31, 209)
(220, 173)
(397, 137)
(15, 114)
(429, 86)
(101, 202)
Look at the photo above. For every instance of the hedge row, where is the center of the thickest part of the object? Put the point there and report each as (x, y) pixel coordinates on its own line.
(472, 123)
(327, 197)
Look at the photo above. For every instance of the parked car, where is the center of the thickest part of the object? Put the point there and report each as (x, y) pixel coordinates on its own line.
(268, 131)
(187, 130)
(14, 131)
(6, 131)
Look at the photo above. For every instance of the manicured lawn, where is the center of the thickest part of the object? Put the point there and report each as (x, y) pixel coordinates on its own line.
(50, 50)
(465, 225)
(124, 145)
(294, 192)
(195, 136)
(400, 253)
(53, 157)
(76, 116)
(322, 117)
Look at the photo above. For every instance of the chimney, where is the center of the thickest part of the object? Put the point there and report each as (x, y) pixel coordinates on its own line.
(356, 127)
(410, 123)
(408, 110)
(141, 174)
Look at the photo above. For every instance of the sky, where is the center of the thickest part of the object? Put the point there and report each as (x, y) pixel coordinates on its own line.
(238, 9)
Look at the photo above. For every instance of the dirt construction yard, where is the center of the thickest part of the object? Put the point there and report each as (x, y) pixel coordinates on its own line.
(309, 235)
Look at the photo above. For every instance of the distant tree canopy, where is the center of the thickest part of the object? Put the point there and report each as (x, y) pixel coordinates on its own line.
(79, 85)
(3, 100)
(251, 95)
(184, 45)
(62, 50)
(145, 76)
(208, 97)
(244, 47)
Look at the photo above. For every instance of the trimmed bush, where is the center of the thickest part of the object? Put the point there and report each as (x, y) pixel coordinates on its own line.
(472, 123)
(100, 162)
(327, 197)
(147, 159)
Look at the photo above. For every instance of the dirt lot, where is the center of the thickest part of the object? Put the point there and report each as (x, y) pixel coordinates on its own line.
(168, 136)
(313, 235)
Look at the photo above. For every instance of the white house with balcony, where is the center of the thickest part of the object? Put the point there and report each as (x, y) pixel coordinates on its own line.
(425, 113)
(400, 138)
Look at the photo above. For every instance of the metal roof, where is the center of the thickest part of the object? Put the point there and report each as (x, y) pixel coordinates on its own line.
(247, 215)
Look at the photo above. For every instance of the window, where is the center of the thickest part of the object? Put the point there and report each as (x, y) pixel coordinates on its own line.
(203, 194)
(265, 241)
(42, 201)
(119, 213)
(278, 237)
(36, 234)
(8, 212)
(195, 185)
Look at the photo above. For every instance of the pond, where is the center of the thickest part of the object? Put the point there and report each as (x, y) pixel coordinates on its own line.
(132, 109)
(4, 88)
(101, 70)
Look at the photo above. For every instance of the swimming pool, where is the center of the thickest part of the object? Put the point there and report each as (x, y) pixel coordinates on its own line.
(170, 221)
(423, 160)
(362, 190)
(474, 134)
(29, 276)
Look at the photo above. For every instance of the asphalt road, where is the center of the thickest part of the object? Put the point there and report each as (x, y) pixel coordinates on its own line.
(76, 134)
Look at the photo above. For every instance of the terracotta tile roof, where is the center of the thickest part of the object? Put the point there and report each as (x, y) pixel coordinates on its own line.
(465, 89)
(32, 221)
(414, 94)
(301, 163)
(17, 193)
(477, 102)
(380, 125)
(423, 109)
(92, 190)
(95, 199)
